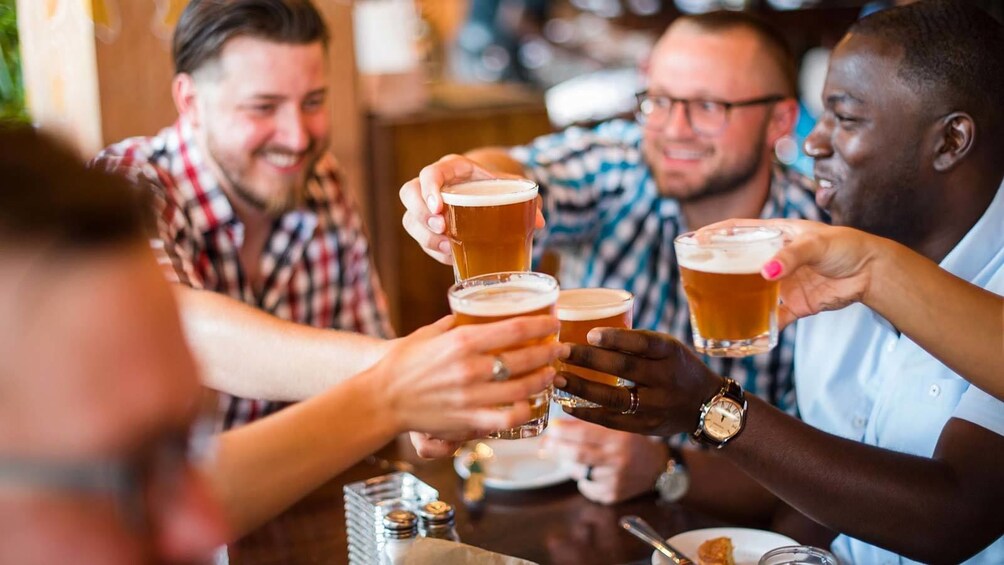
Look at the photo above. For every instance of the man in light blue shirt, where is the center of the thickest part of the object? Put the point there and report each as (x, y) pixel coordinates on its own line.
(898, 453)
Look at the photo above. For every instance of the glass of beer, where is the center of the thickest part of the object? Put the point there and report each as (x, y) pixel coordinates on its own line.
(581, 310)
(733, 310)
(490, 225)
(499, 296)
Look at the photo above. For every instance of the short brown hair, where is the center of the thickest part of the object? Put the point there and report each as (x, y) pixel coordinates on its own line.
(206, 25)
(770, 38)
(48, 196)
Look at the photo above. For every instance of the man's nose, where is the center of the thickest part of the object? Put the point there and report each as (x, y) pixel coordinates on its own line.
(677, 121)
(292, 132)
(817, 143)
(191, 524)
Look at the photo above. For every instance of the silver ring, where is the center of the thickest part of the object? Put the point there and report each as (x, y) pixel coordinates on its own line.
(633, 406)
(589, 473)
(499, 371)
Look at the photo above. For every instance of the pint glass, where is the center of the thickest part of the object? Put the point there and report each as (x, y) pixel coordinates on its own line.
(733, 310)
(499, 296)
(581, 310)
(490, 225)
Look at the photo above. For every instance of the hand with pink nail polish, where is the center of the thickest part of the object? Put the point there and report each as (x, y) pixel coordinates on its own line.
(825, 268)
(820, 268)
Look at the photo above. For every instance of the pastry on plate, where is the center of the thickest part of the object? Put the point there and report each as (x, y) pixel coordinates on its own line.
(716, 551)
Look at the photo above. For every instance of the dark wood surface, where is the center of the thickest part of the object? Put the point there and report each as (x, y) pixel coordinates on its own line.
(550, 525)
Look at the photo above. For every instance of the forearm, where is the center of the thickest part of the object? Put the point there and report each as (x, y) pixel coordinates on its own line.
(919, 507)
(246, 352)
(264, 467)
(957, 322)
(495, 159)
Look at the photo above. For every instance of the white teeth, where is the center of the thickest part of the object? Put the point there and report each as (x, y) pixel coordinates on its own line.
(823, 183)
(682, 154)
(281, 160)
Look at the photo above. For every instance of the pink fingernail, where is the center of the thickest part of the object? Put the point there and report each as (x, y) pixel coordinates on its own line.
(431, 201)
(772, 269)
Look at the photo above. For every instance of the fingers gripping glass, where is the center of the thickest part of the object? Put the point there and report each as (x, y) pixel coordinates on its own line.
(706, 117)
(140, 483)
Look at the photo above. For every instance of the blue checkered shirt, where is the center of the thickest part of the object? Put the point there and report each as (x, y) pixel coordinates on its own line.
(610, 227)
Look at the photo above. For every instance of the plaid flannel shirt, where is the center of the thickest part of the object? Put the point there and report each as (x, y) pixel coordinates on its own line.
(316, 260)
(610, 227)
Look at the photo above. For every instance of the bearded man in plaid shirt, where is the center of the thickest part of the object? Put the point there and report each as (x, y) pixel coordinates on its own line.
(252, 222)
(721, 95)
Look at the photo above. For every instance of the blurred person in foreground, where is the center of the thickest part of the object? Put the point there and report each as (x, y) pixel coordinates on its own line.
(721, 90)
(98, 388)
(898, 453)
(826, 268)
(267, 254)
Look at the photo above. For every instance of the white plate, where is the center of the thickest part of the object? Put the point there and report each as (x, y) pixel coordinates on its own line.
(749, 544)
(514, 464)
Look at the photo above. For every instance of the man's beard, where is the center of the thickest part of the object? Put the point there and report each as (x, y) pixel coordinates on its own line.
(726, 181)
(274, 207)
(290, 199)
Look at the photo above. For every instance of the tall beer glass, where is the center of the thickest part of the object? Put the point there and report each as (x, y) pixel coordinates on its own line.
(499, 296)
(490, 225)
(581, 310)
(733, 310)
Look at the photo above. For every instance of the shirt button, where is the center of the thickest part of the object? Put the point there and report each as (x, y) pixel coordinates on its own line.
(935, 390)
(890, 346)
(859, 422)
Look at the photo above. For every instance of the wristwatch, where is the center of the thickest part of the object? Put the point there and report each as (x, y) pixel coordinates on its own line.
(674, 482)
(723, 417)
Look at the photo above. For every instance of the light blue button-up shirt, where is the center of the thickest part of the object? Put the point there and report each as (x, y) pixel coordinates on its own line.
(856, 378)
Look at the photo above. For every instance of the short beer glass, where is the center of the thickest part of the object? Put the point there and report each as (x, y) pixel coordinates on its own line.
(499, 296)
(733, 310)
(490, 225)
(581, 310)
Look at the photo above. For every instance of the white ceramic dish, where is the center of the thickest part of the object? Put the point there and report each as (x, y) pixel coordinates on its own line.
(749, 544)
(514, 464)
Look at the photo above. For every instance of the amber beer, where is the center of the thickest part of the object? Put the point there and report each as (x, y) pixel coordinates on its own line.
(500, 296)
(581, 310)
(733, 309)
(490, 225)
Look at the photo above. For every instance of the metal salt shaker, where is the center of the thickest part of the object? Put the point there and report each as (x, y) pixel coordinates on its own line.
(438, 521)
(400, 528)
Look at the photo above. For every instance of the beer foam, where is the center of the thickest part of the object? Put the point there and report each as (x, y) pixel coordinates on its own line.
(510, 298)
(733, 254)
(495, 192)
(583, 304)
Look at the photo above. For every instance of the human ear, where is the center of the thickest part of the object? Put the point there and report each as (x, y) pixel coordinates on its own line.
(183, 91)
(783, 117)
(954, 139)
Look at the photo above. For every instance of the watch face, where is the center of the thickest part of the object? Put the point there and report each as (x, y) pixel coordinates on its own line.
(724, 419)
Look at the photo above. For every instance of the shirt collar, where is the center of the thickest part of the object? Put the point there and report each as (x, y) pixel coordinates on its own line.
(983, 240)
(203, 189)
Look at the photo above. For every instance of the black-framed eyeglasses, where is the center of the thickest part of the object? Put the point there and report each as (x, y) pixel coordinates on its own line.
(705, 116)
(139, 483)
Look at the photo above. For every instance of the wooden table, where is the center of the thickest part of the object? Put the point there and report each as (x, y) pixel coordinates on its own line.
(550, 525)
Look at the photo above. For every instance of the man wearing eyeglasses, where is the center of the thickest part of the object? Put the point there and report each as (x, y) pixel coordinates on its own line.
(720, 95)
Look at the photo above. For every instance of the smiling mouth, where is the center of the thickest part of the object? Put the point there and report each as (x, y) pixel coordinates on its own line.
(824, 192)
(684, 154)
(283, 160)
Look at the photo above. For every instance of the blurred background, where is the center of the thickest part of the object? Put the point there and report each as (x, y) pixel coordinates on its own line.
(411, 80)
